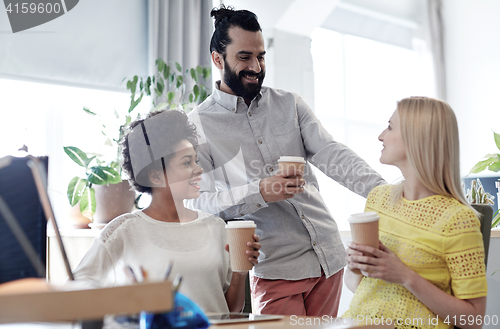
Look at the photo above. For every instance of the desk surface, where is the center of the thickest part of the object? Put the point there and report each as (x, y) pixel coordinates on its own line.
(287, 322)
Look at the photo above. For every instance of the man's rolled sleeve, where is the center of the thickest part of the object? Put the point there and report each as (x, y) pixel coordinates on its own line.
(254, 200)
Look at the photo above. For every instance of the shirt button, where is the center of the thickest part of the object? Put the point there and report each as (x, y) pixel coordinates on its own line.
(303, 217)
(314, 244)
(249, 114)
(271, 169)
(242, 215)
(232, 110)
(260, 142)
(258, 205)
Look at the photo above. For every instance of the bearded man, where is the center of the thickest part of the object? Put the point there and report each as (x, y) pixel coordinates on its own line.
(244, 129)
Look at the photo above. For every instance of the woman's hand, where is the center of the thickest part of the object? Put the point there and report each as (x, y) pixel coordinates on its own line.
(384, 265)
(253, 255)
(352, 252)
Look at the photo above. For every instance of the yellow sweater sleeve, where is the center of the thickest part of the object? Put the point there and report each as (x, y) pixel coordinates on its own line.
(464, 255)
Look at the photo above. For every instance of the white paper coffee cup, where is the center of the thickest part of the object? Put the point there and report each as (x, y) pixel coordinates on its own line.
(364, 230)
(285, 162)
(238, 234)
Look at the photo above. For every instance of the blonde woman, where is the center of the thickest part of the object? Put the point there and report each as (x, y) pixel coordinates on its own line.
(429, 270)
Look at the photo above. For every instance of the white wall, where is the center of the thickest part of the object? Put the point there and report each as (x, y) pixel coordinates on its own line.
(472, 52)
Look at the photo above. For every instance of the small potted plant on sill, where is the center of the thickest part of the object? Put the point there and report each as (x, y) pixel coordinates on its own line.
(103, 179)
(492, 163)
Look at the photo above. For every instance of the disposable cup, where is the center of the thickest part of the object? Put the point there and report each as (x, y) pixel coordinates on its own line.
(364, 230)
(238, 234)
(286, 162)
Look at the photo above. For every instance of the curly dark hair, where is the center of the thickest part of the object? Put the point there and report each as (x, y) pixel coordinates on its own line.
(226, 17)
(152, 139)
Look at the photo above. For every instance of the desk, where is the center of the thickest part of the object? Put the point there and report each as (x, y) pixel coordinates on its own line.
(301, 322)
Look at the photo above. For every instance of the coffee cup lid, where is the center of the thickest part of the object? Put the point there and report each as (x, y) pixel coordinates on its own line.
(240, 224)
(364, 217)
(285, 158)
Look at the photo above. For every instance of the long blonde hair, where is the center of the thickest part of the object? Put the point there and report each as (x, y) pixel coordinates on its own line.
(429, 131)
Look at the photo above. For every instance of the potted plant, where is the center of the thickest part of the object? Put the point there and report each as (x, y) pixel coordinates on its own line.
(491, 162)
(168, 88)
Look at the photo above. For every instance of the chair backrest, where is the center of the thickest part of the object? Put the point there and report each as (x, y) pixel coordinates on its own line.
(486, 212)
(20, 197)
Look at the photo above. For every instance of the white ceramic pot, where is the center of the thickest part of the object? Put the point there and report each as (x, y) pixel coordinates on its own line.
(112, 201)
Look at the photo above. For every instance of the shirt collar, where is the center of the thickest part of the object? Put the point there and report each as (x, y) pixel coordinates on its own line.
(230, 102)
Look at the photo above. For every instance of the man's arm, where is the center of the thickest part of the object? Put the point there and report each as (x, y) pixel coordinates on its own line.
(236, 201)
(217, 198)
(334, 159)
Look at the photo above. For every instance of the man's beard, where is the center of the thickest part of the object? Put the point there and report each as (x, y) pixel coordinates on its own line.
(234, 81)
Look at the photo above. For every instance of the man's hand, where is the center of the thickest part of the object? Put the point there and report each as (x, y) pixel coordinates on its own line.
(282, 186)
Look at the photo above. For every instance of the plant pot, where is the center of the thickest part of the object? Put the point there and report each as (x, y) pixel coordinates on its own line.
(75, 218)
(112, 201)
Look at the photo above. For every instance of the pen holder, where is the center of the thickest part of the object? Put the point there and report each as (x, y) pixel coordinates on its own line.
(186, 314)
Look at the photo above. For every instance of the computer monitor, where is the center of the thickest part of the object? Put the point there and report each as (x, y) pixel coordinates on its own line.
(19, 195)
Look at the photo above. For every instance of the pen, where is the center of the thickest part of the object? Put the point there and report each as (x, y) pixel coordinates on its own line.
(130, 273)
(168, 269)
(177, 283)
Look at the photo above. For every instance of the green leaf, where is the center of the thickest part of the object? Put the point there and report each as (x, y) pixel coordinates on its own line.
(88, 111)
(170, 96)
(97, 176)
(180, 80)
(179, 67)
(77, 155)
(495, 166)
(113, 175)
(481, 165)
(101, 175)
(194, 75)
(196, 90)
(199, 70)
(134, 103)
(148, 86)
(497, 139)
(166, 72)
(161, 65)
(160, 86)
(141, 85)
(129, 84)
(190, 98)
(203, 95)
(206, 72)
(88, 203)
(133, 85)
(75, 190)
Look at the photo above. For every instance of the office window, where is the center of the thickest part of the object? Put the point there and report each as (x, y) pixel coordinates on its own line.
(357, 84)
(46, 117)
